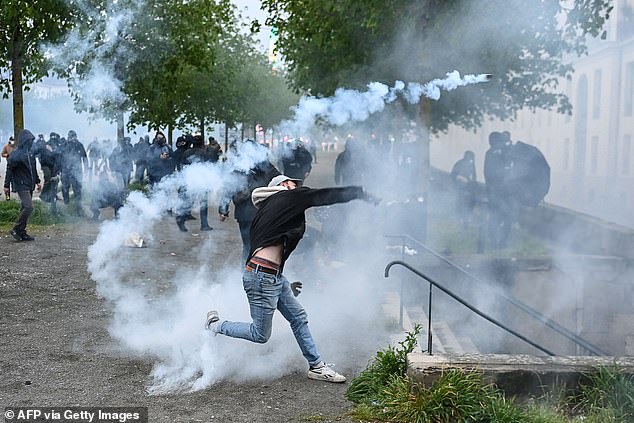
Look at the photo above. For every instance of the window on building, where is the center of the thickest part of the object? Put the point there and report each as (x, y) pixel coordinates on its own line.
(566, 153)
(625, 154)
(629, 89)
(594, 159)
(596, 105)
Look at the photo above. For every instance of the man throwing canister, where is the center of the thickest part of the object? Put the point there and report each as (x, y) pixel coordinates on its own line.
(276, 230)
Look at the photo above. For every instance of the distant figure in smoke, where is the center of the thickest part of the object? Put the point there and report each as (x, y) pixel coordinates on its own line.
(277, 228)
(108, 192)
(214, 150)
(94, 155)
(463, 177)
(73, 158)
(259, 175)
(120, 161)
(296, 160)
(160, 161)
(8, 148)
(50, 162)
(140, 154)
(349, 164)
(22, 177)
(198, 153)
(500, 202)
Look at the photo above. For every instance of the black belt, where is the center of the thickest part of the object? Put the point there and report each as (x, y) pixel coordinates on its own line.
(251, 266)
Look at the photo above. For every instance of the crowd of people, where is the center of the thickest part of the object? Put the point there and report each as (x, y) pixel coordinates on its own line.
(110, 167)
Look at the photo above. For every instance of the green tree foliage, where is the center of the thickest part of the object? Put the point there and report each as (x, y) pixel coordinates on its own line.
(268, 98)
(333, 43)
(139, 56)
(24, 26)
(166, 83)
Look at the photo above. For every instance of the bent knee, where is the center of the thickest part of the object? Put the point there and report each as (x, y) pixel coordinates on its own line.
(261, 338)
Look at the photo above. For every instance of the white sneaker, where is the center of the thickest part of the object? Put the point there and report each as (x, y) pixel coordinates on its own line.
(212, 321)
(324, 372)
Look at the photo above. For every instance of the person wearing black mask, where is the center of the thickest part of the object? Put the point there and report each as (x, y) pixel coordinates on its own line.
(22, 176)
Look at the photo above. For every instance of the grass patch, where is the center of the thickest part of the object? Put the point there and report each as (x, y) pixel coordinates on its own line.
(383, 393)
(451, 238)
(9, 211)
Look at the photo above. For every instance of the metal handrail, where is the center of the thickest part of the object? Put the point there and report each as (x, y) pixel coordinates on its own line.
(464, 303)
(526, 308)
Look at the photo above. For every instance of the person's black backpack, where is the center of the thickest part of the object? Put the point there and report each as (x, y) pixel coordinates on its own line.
(528, 175)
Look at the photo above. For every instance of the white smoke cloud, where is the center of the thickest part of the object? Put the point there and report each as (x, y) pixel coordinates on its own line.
(347, 105)
(164, 318)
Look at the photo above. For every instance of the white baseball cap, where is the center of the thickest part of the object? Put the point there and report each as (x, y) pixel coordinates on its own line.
(281, 178)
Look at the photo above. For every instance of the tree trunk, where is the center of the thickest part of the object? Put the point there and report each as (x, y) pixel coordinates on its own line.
(202, 128)
(170, 129)
(120, 126)
(226, 138)
(425, 114)
(17, 85)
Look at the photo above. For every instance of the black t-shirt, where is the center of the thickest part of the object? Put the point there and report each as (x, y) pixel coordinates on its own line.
(281, 220)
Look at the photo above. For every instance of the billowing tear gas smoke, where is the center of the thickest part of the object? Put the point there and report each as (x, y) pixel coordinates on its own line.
(162, 317)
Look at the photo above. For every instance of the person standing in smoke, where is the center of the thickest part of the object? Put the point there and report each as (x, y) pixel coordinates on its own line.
(463, 177)
(183, 143)
(160, 160)
(22, 176)
(277, 228)
(8, 148)
(50, 164)
(348, 165)
(94, 155)
(108, 192)
(120, 161)
(198, 153)
(74, 161)
(214, 150)
(140, 153)
(257, 176)
(496, 166)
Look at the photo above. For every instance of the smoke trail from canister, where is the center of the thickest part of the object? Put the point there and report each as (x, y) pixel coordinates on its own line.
(348, 105)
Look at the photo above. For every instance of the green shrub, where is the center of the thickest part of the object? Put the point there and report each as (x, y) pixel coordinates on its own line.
(139, 186)
(368, 386)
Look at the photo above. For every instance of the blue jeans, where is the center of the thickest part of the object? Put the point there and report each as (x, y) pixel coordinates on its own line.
(266, 293)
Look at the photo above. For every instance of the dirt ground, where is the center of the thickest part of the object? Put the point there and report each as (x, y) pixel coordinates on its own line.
(55, 349)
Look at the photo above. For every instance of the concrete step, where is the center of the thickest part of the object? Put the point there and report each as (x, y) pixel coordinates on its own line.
(518, 375)
(443, 338)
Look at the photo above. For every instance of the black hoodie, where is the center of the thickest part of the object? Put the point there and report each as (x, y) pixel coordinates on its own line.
(21, 167)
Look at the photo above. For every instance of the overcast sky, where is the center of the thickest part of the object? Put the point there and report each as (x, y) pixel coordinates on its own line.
(251, 10)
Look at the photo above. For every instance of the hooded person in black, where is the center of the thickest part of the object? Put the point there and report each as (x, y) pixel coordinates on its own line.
(74, 161)
(22, 176)
(277, 228)
(259, 175)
